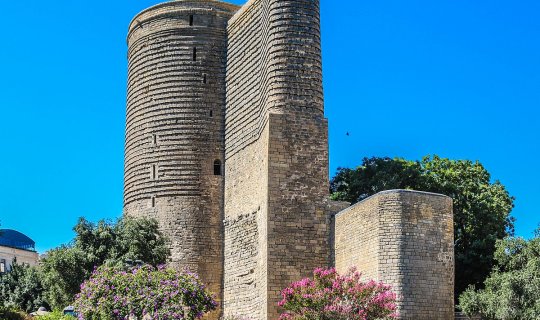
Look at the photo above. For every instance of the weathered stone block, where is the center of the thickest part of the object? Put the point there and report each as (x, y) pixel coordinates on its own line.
(405, 239)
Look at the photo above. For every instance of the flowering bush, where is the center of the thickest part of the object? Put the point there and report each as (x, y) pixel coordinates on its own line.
(330, 296)
(113, 293)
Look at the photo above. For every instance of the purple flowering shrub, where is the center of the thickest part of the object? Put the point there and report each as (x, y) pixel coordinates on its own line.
(330, 296)
(114, 293)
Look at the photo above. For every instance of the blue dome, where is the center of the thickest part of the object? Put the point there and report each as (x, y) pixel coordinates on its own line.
(15, 239)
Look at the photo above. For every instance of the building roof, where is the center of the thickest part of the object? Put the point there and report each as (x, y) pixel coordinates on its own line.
(15, 239)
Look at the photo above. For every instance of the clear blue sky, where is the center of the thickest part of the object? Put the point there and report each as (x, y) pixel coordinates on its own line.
(406, 78)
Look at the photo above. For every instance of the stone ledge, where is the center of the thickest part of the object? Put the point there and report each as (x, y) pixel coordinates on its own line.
(196, 4)
(392, 191)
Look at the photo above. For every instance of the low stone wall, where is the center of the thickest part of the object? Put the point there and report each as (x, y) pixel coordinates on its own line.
(405, 239)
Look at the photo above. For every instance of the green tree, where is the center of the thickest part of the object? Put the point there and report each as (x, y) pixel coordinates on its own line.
(22, 288)
(135, 239)
(481, 207)
(512, 290)
(64, 269)
(105, 243)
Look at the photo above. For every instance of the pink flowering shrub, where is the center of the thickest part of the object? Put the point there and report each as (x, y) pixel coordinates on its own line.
(330, 296)
(114, 294)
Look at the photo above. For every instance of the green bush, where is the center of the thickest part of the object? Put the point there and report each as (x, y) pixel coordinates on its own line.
(22, 288)
(512, 290)
(56, 315)
(10, 314)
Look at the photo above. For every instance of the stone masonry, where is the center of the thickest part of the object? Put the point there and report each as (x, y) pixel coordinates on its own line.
(405, 239)
(227, 147)
(274, 115)
(174, 129)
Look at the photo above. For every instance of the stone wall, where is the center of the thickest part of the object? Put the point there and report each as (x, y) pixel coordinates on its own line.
(405, 239)
(246, 221)
(174, 129)
(276, 177)
(297, 209)
(333, 208)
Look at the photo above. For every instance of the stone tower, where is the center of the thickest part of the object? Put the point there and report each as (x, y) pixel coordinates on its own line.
(227, 147)
(405, 239)
(276, 151)
(174, 148)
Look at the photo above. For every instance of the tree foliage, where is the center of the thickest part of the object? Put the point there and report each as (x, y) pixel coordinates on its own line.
(128, 238)
(481, 207)
(11, 314)
(512, 290)
(21, 288)
(67, 267)
(56, 315)
(64, 269)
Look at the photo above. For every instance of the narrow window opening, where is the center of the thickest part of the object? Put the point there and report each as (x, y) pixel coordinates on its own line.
(153, 202)
(194, 54)
(217, 168)
(211, 113)
(154, 172)
(204, 78)
(191, 20)
(154, 139)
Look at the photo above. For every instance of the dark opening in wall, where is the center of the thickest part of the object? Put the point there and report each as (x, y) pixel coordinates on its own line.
(191, 20)
(211, 113)
(154, 139)
(154, 172)
(194, 54)
(204, 78)
(153, 202)
(217, 167)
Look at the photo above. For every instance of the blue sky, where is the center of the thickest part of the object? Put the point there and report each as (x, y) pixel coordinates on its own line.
(455, 78)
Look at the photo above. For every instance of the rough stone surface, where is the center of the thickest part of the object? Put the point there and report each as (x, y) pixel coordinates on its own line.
(405, 239)
(276, 150)
(209, 81)
(174, 129)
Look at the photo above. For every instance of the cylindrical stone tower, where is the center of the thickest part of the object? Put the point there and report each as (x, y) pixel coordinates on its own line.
(175, 129)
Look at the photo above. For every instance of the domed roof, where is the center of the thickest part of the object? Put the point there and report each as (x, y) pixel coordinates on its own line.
(15, 239)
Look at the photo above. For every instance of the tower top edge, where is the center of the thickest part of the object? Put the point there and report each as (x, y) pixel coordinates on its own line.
(240, 11)
(161, 8)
